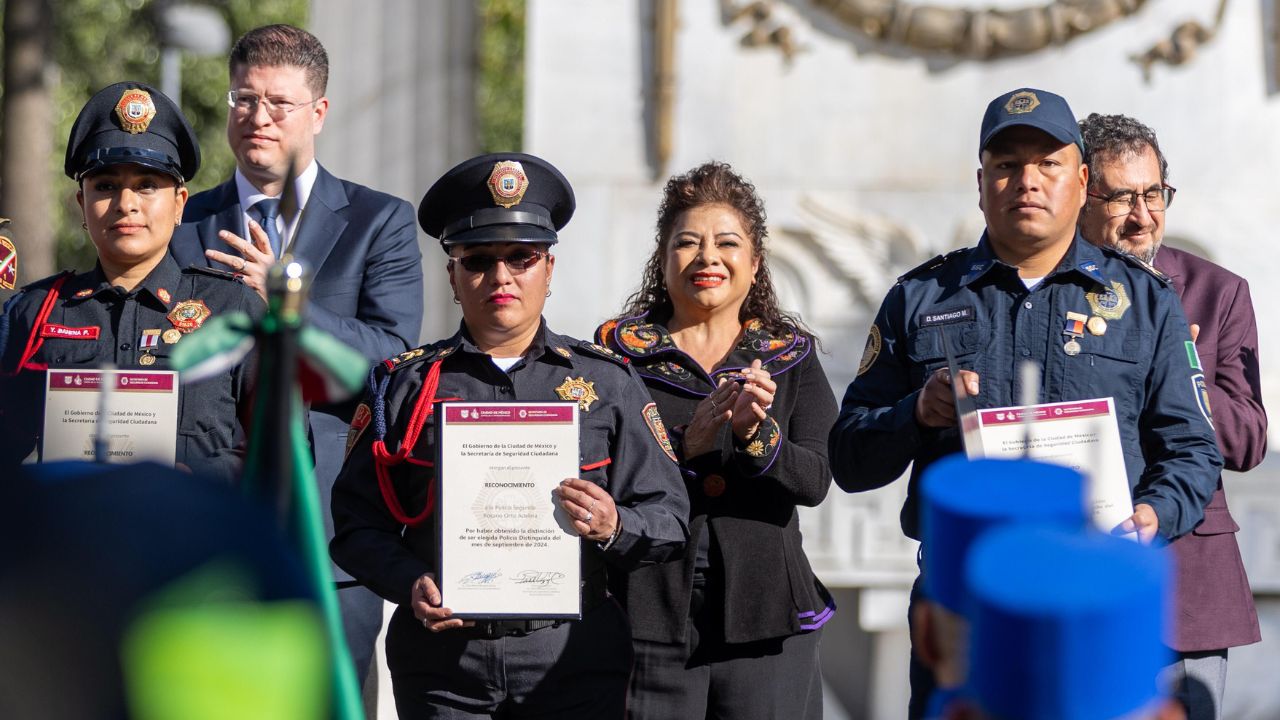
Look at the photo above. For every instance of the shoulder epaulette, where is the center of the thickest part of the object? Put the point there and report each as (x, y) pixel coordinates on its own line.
(1143, 264)
(415, 356)
(211, 272)
(595, 350)
(45, 281)
(932, 264)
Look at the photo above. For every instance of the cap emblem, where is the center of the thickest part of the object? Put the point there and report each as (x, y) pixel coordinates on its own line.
(1022, 102)
(135, 110)
(508, 183)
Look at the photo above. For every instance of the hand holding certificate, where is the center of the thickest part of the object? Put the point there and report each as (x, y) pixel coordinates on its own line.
(508, 549)
(1082, 435)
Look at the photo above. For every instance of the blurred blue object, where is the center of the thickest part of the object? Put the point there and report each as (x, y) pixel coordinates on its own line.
(1065, 625)
(962, 499)
(84, 547)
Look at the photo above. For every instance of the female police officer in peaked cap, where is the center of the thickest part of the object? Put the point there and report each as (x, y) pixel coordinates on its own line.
(497, 217)
(131, 151)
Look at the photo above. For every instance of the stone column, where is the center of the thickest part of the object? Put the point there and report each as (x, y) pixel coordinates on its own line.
(402, 107)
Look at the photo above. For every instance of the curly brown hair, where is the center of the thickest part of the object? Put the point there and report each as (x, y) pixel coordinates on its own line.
(712, 183)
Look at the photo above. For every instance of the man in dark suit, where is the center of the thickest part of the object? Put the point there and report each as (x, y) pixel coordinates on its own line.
(361, 245)
(1127, 197)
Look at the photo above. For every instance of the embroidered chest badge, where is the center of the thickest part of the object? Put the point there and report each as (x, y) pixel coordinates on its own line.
(1110, 303)
(189, 315)
(578, 390)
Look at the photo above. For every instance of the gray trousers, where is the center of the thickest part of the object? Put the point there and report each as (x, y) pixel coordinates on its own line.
(1199, 680)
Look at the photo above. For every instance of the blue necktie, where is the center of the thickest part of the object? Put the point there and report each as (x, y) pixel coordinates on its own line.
(266, 212)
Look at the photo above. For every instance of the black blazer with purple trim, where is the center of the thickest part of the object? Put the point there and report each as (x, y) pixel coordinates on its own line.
(743, 494)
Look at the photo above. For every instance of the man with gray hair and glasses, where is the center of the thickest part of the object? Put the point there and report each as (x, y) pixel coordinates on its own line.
(1127, 200)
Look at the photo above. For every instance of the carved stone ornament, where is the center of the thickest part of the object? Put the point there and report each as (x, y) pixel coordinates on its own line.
(974, 33)
(980, 34)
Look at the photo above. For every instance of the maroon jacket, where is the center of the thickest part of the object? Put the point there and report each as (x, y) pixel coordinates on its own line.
(1214, 606)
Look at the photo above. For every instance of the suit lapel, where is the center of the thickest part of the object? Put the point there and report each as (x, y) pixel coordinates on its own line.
(321, 223)
(228, 217)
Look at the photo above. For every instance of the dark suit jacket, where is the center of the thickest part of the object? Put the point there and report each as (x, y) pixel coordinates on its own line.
(1214, 606)
(362, 249)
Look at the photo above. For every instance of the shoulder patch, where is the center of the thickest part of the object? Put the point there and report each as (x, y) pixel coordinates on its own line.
(932, 264)
(872, 350)
(600, 351)
(654, 420)
(359, 422)
(220, 274)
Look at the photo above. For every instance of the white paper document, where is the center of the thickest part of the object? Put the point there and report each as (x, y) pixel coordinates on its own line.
(143, 413)
(1082, 435)
(507, 548)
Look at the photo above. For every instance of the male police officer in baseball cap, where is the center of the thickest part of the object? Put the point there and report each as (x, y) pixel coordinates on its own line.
(1094, 322)
(131, 151)
(497, 217)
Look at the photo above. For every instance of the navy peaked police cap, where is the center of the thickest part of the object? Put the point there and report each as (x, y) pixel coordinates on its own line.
(131, 122)
(496, 198)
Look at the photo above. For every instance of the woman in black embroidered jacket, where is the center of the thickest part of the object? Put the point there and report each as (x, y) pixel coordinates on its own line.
(731, 628)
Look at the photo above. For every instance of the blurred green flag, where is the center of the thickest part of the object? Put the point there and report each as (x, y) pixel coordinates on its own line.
(296, 364)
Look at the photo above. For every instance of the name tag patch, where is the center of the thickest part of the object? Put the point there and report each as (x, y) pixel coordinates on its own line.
(50, 330)
(942, 317)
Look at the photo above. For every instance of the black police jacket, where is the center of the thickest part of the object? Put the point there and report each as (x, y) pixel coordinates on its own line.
(745, 531)
(621, 450)
(92, 322)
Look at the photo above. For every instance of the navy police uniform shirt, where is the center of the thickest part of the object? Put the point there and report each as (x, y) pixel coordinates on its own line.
(624, 449)
(1143, 359)
(92, 322)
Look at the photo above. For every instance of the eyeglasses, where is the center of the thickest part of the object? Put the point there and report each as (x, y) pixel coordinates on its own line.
(1123, 202)
(245, 104)
(516, 262)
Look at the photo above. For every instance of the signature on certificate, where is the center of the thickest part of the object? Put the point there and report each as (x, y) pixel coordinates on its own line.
(480, 577)
(537, 577)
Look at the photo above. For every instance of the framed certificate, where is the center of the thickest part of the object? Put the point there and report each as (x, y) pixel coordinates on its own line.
(143, 415)
(507, 548)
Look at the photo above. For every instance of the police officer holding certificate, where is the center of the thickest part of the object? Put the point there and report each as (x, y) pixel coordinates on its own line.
(497, 217)
(132, 152)
(1095, 323)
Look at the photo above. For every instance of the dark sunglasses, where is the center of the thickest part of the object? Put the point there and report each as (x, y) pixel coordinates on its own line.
(517, 262)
